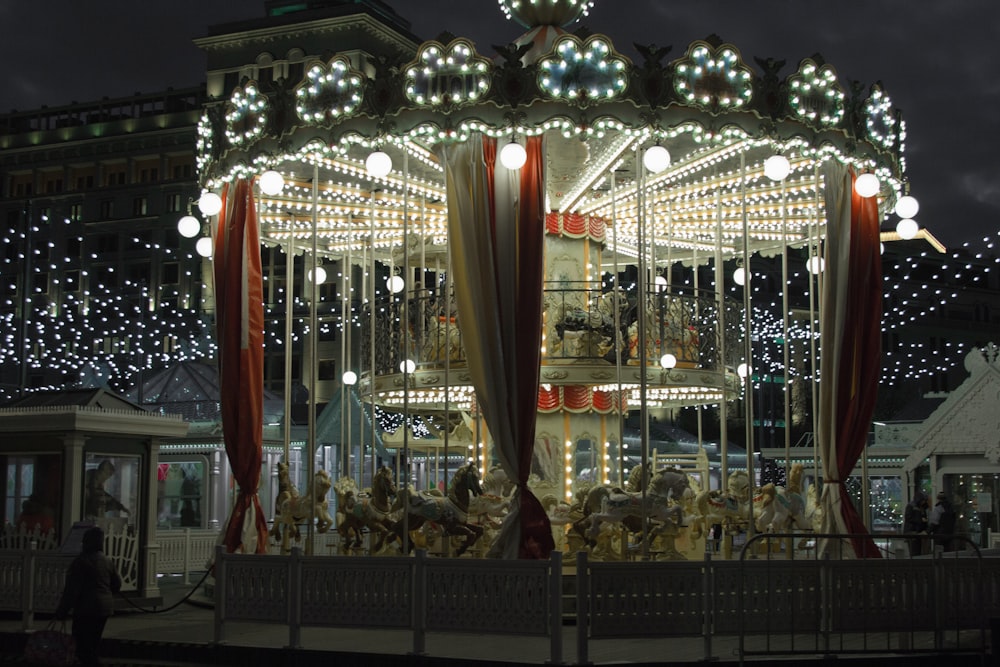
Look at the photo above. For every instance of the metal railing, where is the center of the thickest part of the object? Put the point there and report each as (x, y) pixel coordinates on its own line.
(777, 599)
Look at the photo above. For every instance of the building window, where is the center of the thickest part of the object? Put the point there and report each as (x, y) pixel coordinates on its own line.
(73, 246)
(76, 212)
(33, 493)
(180, 492)
(107, 208)
(71, 281)
(105, 243)
(171, 272)
(173, 203)
(139, 206)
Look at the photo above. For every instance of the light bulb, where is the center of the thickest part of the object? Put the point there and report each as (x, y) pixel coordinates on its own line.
(210, 203)
(777, 167)
(867, 185)
(272, 182)
(378, 164)
(815, 265)
(395, 284)
(907, 206)
(907, 228)
(204, 246)
(741, 276)
(407, 366)
(513, 156)
(656, 159)
(661, 284)
(320, 275)
(668, 361)
(743, 371)
(189, 226)
(350, 378)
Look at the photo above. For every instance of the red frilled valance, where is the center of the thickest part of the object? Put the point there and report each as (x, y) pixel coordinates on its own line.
(576, 226)
(579, 398)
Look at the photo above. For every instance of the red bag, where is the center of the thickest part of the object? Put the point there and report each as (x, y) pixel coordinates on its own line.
(52, 646)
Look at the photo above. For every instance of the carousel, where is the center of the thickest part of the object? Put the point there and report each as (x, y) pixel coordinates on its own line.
(531, 245)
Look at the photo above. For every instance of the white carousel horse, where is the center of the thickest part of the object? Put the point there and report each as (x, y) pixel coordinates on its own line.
(778, 509)
(285, 491)
(295, 509)
(715, 507)
(450, 513)
(371, 512)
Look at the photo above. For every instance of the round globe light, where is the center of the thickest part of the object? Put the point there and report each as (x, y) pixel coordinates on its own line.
(741, 276)
(189, 226)
(204, 247)
(815, 265)
(656, 159)
(210, 203)
(668, 361)
(395, 284)
(272, 182)
(777, 167)
(513, 156)
(907, 228)
(743, 371)
(407, 366)
(661, 283)
(378, 164)
(907, 206)
(320, 275)
(350, 378)
(867, 185)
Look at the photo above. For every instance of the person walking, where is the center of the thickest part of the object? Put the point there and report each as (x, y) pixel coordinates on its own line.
(91, 582)
(942, 522)
(915, 522)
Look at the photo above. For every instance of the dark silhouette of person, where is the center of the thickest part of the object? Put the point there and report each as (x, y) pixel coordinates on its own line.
(91, 582)
(98, 501)
(915, 521)
(34, 514)
(188, 516)
(941, 523)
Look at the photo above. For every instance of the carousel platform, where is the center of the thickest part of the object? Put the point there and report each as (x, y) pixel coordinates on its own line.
(180, 632)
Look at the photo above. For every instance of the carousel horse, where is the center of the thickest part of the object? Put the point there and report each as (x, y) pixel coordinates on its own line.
(657, 505)
(715, 507)
(450, 513)
(371, 512)
(286, 491)
(313, 503)
(778, 509)
(670, 483)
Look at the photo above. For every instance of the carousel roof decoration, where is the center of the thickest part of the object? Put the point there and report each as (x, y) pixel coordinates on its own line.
(329, 92)
(583, 70)
(815, 95)
(447, 76)
(713, 77)
(246, 114)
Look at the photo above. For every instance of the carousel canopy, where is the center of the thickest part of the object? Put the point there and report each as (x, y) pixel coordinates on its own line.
(686, 142)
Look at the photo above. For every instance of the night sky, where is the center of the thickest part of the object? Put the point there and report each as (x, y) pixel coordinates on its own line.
(936, 60)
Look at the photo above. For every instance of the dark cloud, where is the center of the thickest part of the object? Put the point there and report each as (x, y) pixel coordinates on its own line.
(936, 61)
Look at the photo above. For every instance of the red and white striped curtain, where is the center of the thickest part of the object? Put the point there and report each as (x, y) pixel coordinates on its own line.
(239, 313)
(496, 223)
(850, 340)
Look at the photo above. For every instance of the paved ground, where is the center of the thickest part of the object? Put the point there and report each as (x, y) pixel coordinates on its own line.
(181, 633)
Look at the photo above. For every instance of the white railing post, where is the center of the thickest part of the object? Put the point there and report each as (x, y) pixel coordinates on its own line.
(419, 595)
(294, 613)
(220, 592)
(28, 577)
(582, 607)
(555, 608)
